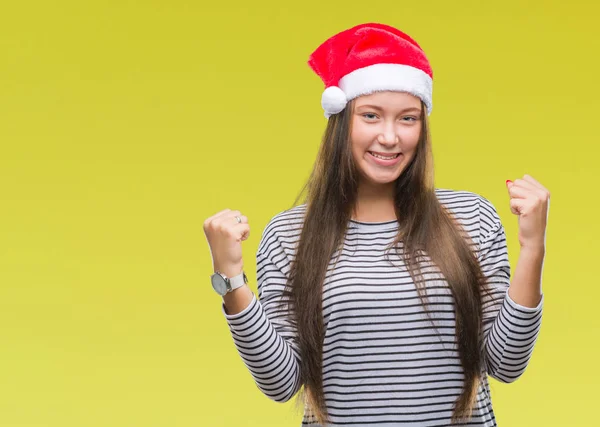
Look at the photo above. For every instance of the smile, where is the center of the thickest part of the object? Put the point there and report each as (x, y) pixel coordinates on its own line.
(384, 157)
(385, 161)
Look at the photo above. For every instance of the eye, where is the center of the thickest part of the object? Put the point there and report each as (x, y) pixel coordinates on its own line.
(410, 117)
(369, 114)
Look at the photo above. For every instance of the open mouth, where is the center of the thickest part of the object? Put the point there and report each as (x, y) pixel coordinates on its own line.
(378, 156)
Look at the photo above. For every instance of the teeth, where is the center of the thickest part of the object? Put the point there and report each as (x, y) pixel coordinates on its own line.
(383, 158)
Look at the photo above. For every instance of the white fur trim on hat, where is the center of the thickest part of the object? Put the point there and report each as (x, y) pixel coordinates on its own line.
(380, 77)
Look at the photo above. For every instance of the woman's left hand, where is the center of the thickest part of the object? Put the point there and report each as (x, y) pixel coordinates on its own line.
(530, 200)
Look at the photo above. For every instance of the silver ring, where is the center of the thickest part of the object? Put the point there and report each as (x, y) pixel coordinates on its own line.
(239, 220)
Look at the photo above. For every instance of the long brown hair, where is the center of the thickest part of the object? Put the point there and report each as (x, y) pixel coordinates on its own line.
(425, 227)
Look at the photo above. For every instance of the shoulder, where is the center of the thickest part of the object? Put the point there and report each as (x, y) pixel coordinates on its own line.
(287, 221)
(476, 213)
(455, 199)
(283, 228)
(459, 200)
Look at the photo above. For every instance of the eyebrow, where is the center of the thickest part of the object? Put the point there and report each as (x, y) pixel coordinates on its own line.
(375, 107)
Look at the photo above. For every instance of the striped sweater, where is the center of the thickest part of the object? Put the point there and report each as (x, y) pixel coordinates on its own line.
(384, 362)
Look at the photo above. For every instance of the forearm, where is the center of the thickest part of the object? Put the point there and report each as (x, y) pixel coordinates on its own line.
(265, 351)
(511, 339)
(526, 284)
(237, 300)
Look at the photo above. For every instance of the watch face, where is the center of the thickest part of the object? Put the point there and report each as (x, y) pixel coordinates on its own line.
(218, 284)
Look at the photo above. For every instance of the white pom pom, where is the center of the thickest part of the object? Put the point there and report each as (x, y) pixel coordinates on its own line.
(333, 100)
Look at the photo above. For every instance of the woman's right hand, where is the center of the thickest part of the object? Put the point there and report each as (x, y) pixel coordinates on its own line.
(225, 235)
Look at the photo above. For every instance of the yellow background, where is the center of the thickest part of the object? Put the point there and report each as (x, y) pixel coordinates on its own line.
(124, 125)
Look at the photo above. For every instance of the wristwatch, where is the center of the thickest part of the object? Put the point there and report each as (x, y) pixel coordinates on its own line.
(223, 284)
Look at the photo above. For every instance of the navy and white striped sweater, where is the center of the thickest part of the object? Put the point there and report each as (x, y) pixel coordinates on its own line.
(384, 362)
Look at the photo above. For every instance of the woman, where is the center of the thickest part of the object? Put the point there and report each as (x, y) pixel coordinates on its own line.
(383, 299)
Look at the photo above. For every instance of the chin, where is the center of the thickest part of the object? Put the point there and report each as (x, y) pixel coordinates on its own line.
(382, 179)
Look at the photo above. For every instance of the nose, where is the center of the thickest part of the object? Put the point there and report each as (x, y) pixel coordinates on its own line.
(388, 136)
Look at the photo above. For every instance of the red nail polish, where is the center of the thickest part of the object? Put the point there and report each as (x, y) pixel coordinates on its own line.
(507, 181)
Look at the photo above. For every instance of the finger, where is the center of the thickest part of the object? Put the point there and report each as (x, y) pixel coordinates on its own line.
(525, 184)
(532, 190)
(531, 180)
(539, 189)
(234, 218)
(209, 219)
(243, 218)
(227, 217)
(519, 192)
(516, 206)
(245, 235)
(241, 232)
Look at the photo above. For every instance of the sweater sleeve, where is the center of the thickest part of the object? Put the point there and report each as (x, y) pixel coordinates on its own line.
(262, 332)
(510, 330)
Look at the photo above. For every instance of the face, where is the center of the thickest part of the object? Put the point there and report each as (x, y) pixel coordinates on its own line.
(387, 123)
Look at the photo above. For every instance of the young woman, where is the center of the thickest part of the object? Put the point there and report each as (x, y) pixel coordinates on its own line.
(384, 300)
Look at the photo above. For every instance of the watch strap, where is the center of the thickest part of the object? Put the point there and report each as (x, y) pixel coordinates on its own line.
(238, 281)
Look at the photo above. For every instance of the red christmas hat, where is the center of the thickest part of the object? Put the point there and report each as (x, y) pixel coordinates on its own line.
(368, 58)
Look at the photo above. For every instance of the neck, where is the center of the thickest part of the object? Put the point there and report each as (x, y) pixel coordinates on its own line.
(375, 204)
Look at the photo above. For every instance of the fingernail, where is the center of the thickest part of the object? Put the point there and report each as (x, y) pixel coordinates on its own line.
(507, 181)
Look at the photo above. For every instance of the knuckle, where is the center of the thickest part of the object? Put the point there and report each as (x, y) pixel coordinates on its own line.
(208, 224)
